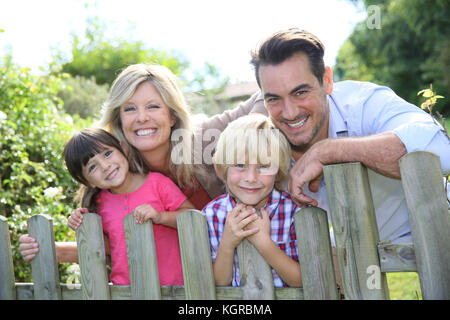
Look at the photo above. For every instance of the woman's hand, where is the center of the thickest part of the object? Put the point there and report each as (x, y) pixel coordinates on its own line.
(28, 247)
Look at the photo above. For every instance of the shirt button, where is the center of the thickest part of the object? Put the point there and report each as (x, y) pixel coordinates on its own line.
(125, 207)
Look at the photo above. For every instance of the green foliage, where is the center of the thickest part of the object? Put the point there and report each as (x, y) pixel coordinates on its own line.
(33, 131)
(83, 96)
(104, 58)
(409, 51)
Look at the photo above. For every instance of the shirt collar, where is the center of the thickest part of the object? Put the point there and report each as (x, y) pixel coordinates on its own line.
(337, 126)
(272, 202)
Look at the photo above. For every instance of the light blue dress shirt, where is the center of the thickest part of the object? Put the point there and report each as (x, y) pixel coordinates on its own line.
(363, 108)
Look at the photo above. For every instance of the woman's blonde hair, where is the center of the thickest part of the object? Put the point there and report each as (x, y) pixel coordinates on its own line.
(253, 139)
(168, 87)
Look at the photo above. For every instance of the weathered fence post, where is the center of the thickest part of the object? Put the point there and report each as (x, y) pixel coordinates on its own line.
(422, 182)
(315, 254)
(44, 267)
(196, 256)
(255, 272)
(7, 281)
(92, 258)
(356, 232)
(142, 262)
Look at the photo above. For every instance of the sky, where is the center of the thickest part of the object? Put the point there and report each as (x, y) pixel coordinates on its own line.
(219, 32)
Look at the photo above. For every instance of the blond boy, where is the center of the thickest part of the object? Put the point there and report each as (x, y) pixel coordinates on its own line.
(252, 158)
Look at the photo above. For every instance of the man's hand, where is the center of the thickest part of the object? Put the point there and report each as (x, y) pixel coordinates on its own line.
(307, 169)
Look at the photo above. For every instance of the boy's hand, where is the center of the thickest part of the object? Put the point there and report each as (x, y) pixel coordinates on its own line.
(76, 218)
(236, 225)
(263, 225)
(144, 212)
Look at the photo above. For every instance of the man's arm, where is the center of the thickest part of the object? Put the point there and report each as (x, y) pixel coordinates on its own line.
(379, 152)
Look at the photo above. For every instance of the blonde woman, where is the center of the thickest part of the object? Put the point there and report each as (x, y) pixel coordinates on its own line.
(147, 112)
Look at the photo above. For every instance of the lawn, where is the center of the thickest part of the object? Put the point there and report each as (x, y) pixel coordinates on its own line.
(404, 286)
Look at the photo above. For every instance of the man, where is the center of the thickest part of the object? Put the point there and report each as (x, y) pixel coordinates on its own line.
(374, 126)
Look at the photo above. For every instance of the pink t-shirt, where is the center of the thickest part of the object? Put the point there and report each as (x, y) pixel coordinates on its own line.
(160, 192)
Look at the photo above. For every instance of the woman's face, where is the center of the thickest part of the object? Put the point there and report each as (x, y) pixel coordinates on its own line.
(146, 119)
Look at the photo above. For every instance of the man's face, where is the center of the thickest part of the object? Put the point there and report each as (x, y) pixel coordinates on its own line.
(296, 101)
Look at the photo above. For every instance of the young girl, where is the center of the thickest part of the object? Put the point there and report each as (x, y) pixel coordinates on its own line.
(95, 158)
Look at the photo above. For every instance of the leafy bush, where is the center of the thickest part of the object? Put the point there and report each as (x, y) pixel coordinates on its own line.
(83, 96)
(33, 179)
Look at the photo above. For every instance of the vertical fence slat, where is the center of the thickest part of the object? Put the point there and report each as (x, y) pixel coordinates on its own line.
(315, 254)
(422, 182)
(44, 266)
(255, 272)
(92, 258)
(142, 262)
(7, 281)
(196, 256)
(356, 232)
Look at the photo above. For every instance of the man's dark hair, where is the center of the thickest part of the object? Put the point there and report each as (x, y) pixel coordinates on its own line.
(284, 44)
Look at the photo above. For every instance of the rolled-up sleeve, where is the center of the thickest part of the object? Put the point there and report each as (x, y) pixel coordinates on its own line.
(385, 111)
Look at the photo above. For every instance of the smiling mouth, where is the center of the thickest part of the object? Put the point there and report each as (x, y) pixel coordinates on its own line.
(112, 174)
(145, 132)
(297, 124)
(250, 190)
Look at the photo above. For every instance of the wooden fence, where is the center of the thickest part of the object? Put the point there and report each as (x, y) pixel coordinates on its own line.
(363, 260)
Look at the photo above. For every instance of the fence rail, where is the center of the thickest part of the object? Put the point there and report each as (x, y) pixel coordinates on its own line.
(358, 248)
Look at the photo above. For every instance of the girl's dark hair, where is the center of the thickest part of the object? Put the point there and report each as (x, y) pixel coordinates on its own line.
(84, 145)
(284, 44)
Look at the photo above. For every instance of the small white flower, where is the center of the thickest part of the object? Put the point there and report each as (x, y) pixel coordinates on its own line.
(51, 192)
(2, 115)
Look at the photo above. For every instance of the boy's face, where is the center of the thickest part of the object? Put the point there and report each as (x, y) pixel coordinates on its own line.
(250, 184)
(107, 170)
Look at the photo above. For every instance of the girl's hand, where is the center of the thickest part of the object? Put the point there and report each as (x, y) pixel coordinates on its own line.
(144, 212)
(236, 225)
(76, 218)
(28, 247)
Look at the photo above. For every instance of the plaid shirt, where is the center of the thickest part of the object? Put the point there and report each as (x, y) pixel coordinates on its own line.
(281, 211)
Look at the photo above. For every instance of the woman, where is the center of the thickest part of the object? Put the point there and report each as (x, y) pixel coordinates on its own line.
(147, 112)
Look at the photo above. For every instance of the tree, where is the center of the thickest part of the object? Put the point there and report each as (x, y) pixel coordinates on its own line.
(103, 58)
(409, 51)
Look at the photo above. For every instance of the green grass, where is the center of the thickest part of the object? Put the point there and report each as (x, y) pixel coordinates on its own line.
(404, 286)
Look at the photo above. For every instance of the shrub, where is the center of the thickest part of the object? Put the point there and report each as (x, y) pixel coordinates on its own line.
(33, 179)
(83, 96)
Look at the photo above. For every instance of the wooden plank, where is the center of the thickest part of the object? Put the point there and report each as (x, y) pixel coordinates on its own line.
(255, 273)
(196, 256)
(44, 266)
(74, 292)
(7, 280)
(315, 254)
(92, 258)
(142, 262)
(397, 257)
(355, 230)
(429, 218)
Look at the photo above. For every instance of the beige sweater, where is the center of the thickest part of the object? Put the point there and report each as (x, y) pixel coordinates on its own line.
(210, 182)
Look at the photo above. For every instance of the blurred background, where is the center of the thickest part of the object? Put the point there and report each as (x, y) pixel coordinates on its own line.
(58, 59)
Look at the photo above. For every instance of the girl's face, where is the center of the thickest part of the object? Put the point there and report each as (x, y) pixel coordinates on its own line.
(146, 120)
(250, 184)
(107, 170)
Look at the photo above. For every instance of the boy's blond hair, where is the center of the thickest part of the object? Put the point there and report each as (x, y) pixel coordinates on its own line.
(253, 139)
